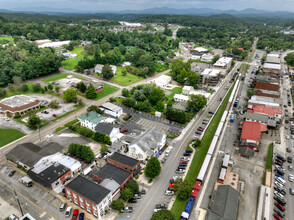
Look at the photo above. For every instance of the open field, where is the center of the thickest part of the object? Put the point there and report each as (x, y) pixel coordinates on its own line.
(9, 135)
(16, 92)
(199, 156)
(60, 76)
(69, 64)
(124, 80)
(108, 89)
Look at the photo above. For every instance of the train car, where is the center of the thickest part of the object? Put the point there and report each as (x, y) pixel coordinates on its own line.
(196, 189)
(212, 145)
(204, 167)
(186, 213)
(223, 119)
(219, 129)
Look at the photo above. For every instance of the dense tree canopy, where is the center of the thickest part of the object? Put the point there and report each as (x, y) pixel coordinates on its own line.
(153, 168)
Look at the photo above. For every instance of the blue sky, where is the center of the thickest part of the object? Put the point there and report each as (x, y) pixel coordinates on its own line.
(98, 5)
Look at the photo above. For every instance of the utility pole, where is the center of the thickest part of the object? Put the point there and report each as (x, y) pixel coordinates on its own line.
(39, 132)
(17, 200)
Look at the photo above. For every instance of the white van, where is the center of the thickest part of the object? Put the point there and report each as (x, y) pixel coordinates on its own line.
(168, 151)
(280, 180)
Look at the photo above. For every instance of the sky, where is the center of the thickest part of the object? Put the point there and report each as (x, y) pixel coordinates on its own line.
(116, 5)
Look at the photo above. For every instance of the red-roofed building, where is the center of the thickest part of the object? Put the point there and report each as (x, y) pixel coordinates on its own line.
(242, 49)
(251, 134)
(265, 110)
(267, 86)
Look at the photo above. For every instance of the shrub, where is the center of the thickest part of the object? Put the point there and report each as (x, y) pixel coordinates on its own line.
(117, 205)
(126, 194)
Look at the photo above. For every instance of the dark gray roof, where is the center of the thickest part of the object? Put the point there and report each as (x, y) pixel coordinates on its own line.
(88, 189)
(29, 153)
(225, 204)
(52, 173)
(104, 128)
(109, 171)
(123, 159)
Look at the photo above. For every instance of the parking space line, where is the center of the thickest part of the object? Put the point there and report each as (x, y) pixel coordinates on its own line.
(26, 198)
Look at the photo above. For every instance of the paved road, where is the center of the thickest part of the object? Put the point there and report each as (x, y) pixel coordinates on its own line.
(144, 208)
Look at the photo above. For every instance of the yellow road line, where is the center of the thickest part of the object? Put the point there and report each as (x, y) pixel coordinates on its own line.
(27, 199)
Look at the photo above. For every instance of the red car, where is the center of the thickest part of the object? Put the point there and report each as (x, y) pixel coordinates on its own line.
(277, 217)
(171, 185)
(204, 122)
(54, 115)
(124, 130)
(75, 214)
(185, 162)
(279, 206)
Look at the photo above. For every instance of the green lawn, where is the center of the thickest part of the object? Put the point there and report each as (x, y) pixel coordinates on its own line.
(9, 135)
(199, 156)
(246, 68)
(124, 80)
(269, 157)
(176, 90)
(59, 76)
(16, 92)
(108, 89)
(69, 64)
(79, 51)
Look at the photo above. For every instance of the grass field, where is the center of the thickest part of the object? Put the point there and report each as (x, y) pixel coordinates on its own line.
(69, 64)
(124, 80)
(179, 205)
(108, 89)
(269, 157)
(30, 85)
(176, 90)
(60, 76)
(9, 135)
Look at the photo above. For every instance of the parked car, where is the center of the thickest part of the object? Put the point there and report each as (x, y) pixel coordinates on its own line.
(7, 119)
(186, 154)
(210, 112)
(124, 130)
(290, 168)
(45, 112)
(163, 160)
(136, 196)
(68, 211)
(200, 128)
(288, 149)
(142, 192)
(282, 191)
(279, 195)
(289, 159)
(279, 200)
(75, 214)
(279, 212)
(277, 217)
(185, 159)
(11, 173)
(279, 184)
(291, 177)
(55, 115)
(81, 216)
(169, 193)
(12, 217)
(180, 171)
(279, 206)
(161, 206)
(204, 122)
(291, 190)
(189, 151)
(126, 210)
(132, 200)
(281, 157)
(62, 206)
(278, 175)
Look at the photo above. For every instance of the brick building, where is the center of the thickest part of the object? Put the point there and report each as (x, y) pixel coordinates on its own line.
(272, 70)
(88, 195)
(124, 162)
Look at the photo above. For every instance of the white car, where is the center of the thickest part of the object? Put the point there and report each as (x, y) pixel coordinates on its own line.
(169, 193)
(279, 195)
(287, 137)
(6, 119)
(278, 184)
(291, 177)
(68, 212)
(156, 210)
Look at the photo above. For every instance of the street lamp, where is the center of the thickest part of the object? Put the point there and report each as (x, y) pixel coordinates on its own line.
(17, 200)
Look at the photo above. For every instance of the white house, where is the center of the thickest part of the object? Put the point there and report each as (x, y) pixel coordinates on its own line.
(111, 109)
(181, 98)
(187, 89)
(161, 81)
(124, 64)
(98, 68)
(200, 92)
(223, 63)
(91, 119)
(147, 145)
(207, 57)
(110, 130)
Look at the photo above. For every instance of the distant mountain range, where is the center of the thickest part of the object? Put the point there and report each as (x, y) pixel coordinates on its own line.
(249, 12)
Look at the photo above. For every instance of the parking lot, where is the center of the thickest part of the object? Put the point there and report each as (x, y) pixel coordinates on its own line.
(65, 83)
(12, 124)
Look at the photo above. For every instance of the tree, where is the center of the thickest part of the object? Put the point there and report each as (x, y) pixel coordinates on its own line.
(196, 102)
(91, 92)
(95, 109)
(152, 168)
(50, 87)
(89, 49)
(54, 104)
(107, 72)
(72, 149)
(2, 93)
(86, 132)
(105, 46)
(289, 59)
(133, 186)
(183, 188)
(263, 59)
(250, 92)
(176, 115)
(103, 149)
(215, 58)
(122, 49)
(117, 204)
(129, 102)
(57, 88)
(37, 87)
(128, 57)
(197, 143)
(126, 194)
(81, 87)
(24, 88)
(34, 121)
(70, 95)
(125, 92)
(163, 214)
(11, 87)
(124, 72)
(87, 154)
